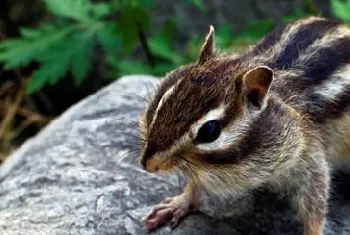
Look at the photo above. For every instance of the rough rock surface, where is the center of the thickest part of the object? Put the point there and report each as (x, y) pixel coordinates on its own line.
(80, 176)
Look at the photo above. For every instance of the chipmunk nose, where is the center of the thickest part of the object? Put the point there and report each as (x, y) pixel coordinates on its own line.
(146, 161)
(146, 164)
(151, 168)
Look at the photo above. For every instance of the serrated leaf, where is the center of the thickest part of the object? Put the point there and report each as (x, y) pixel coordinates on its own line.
(37, 82)
(75, 9)
(80, 10)
(82, 57)
(132, 20)
(48, 73)
(71, 53)
(341, 9)
(21, 51)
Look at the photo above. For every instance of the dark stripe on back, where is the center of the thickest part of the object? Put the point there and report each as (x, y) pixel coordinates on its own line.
(304, 37)
(320, 109)
(325, 62)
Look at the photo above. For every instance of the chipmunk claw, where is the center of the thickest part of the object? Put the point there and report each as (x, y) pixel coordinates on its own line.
(173, 209)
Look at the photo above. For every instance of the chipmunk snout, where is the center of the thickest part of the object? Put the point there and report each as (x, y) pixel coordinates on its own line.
(150, 167)
(146, 161)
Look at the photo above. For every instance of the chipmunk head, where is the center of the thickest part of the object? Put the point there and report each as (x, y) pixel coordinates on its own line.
(199, 120)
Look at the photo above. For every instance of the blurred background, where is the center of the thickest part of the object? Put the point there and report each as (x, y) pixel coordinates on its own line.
(54, 53)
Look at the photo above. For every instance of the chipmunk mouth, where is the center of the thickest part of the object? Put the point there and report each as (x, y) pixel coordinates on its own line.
(158, 165)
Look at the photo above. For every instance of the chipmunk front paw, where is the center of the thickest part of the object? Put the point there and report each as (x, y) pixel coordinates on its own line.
(173, 209)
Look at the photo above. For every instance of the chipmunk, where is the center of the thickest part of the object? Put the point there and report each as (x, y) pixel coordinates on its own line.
(276, 116)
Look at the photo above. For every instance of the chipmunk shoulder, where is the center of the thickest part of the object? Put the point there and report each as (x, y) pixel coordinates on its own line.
(278, 113)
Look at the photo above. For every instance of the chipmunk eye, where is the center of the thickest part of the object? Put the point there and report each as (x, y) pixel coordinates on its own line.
(209, 132)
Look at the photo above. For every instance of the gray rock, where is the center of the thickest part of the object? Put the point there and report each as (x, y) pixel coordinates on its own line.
(80, 176)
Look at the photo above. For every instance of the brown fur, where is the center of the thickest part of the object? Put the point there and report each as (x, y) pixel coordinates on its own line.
(281, 127)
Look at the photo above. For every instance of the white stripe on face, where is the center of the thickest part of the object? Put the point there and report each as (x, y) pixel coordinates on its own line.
(214, 114)
(166, 95)
(228, 136)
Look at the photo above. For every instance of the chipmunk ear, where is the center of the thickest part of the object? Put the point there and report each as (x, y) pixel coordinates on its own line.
(208, 47)
(256, 83)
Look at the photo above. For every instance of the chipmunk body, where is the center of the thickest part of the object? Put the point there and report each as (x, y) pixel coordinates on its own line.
(278, 115)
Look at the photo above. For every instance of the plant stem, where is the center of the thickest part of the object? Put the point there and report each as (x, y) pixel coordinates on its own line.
(144, 44)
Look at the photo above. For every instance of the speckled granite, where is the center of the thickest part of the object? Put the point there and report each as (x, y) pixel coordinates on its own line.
(80, 176)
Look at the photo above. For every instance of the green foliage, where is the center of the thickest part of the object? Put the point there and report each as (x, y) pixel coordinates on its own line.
(251, 34)
(341, 9)
(132, 19)
(162, 43)
(61, 46)
(79, 10)
(66, 44)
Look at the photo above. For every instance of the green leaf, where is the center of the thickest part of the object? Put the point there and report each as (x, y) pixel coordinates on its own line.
(75, 9)
(80, 10)
(54, 63)
(101, 10)
(256, 30)
(146, 3)
(199, 4)
(161, 43)
(224, 36)
(30, 33)
(132, 20)
(37, 82)
(109, 39)
(32, 44)
(82, 57)
(49, 72)
(71, 53)
(341, 9)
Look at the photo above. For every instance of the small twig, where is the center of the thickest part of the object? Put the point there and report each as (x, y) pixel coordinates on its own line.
(28, 114)
(13, 134)
(48, 105)
(3, 156)
(144, 44)
(6, 87)
(11, 113)
(33, 116)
